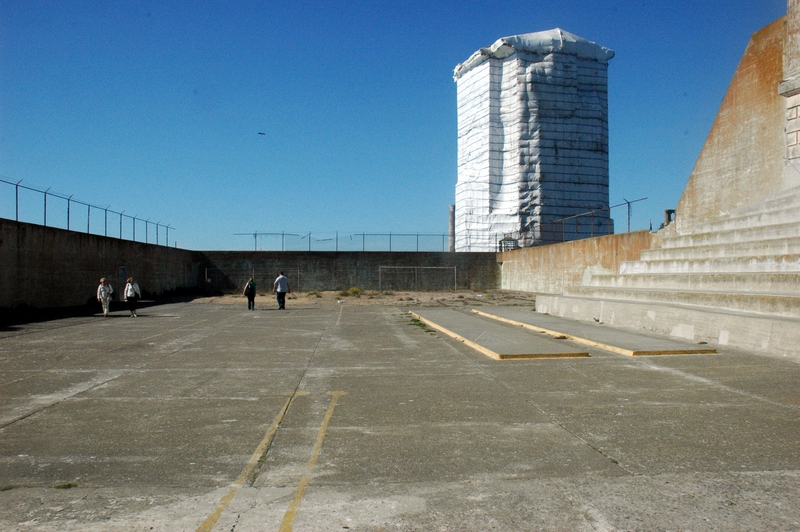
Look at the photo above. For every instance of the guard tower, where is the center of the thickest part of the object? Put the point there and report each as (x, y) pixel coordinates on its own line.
(532, 141)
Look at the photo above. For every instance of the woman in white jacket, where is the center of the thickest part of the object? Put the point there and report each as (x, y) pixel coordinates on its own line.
(132, 295)
(104, 294)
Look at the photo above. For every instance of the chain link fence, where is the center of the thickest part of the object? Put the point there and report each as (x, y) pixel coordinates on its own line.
(29, 204)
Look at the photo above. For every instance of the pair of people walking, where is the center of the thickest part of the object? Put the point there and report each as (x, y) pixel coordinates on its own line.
(132, 293)
(281, 287)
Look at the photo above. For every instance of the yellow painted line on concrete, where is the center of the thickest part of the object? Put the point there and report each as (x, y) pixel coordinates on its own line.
(606, 347)
(291, 512)
(209, 523)
(489, 352)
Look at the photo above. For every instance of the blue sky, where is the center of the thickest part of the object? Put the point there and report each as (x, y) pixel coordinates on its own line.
(154, 108)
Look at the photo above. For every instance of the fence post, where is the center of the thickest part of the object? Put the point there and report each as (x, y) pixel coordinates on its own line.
(16, 190)
(106, 230)
(69, 201)
(88, 218)
(45, 206)
(629, 214)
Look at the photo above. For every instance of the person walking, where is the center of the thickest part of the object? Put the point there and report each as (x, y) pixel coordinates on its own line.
(104, 294)
(282, 287)
(250, 294)
(132, 295)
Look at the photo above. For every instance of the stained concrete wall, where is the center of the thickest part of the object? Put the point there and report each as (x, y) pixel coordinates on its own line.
(45, 267)
(552, 269)
(743, 158)
(228, 271)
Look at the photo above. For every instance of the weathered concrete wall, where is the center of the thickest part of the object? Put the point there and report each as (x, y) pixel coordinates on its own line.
(320, 270)
(552, 269)
(790, 89)
(743, 158)
(45, 267)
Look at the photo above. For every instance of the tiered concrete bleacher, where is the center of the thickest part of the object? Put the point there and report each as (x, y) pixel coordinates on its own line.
(734, 281)
(748, 261)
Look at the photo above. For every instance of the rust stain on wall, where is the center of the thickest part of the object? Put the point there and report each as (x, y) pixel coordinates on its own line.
(552, 269)
(742, 159)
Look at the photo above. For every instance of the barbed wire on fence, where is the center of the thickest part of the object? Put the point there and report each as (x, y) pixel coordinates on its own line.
(89, 207)
(336, 241)
(573, 227)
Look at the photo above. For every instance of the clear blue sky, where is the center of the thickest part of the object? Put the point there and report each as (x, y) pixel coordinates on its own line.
(154, 108)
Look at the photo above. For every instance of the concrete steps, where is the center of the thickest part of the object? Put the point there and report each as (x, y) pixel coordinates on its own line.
(781, 231)
(773, 283)
(734, 278)
(749, 248)
(765, 303)
(765, 333)
(741, 264)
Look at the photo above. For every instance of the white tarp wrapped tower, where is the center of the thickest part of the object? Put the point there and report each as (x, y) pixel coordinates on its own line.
(532, 141)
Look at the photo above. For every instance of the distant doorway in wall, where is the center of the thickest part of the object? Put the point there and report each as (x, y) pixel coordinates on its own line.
(122, 277)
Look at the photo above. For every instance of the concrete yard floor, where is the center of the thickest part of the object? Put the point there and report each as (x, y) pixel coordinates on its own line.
(341, 416)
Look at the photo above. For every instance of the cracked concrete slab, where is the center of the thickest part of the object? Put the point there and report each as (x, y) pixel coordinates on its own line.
(151, 423)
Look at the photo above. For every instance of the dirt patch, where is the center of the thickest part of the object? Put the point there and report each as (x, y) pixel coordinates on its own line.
(369, 297)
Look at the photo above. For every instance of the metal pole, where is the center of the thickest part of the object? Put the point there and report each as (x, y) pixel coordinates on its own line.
(363, 242)
(455, 279)
(629, 214)
(45, 207)
(417, 242)
(337, 240)
(69, 199)
(134, 227)
(146, 232)
(309, 241)
(158, 222)
(106, 233)
(16, 187)
(88, 218)
(283, 237)
(120, 224)
(390, 241)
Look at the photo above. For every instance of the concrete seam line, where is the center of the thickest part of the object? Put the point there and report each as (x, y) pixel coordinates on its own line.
(291, 512)
(212, 519)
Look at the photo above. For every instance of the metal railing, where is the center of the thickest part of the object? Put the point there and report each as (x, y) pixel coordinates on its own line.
(575, 227)
(69, 222)
(335, 241)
